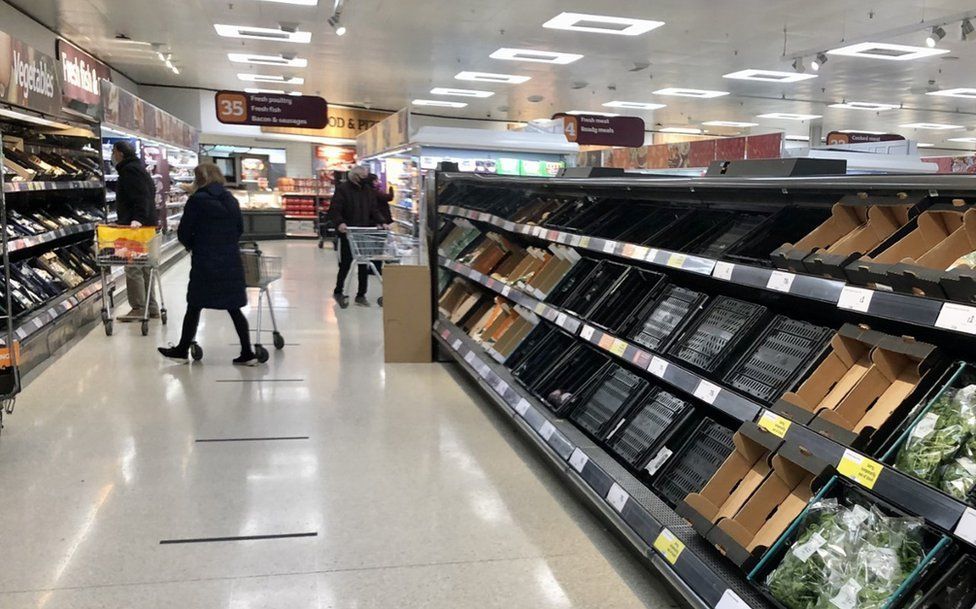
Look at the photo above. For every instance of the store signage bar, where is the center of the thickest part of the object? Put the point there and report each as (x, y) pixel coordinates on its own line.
(591, 130)
(82, 73)
(270, 110)
(838, 138)
(28, 77)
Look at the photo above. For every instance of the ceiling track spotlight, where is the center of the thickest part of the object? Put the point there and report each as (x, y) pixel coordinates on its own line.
(817, 62)
(938, 33)
(798, 65)
(967, 29)
(334, 20)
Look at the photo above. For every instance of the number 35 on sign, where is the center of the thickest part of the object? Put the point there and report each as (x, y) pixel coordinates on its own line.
(231, 107)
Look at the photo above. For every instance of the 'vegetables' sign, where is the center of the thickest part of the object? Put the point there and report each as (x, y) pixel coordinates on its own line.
(28, 78)
(592, 130)
(270, 110)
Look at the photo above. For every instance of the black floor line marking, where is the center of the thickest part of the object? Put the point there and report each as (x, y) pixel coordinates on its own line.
(164, 542)
(267, 439)
(260, 380)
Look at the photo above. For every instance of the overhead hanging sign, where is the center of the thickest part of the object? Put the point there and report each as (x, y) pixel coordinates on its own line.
(391, 132)
(271, 110)
(345, 123)
(838, 138)
(126, 112)
(81, 76)
(28, 77)
(592, 130)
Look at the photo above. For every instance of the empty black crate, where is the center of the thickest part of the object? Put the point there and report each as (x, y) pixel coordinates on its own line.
(619, 221)
(780, 356)
(655, 221)
(568, 378)
(648, 426)
(788, 226)
(542, 356)
(578, 216)
(712, 339)
(695, 463)
(571, 281)
(598, 285)
(728, 236)
(631, 294)
(692, 230)
(610, 399)
(537, 336)
(664, 318)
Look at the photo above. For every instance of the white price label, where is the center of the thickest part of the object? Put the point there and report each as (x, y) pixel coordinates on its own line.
(659, 460)
(506, 291)
(587, 332)
(780, 281)
(651, 255)
(561, 319)
(657, 367)
(617, 497)
(640, 252)
(707, 392)
(609, 247)
(456, 344)
(855, 299)
(484, 371)
(469, 357)
(547, 430)
(578, 460)
(957, 317)
(501, 387)
(966, 529)
(575, 240)
(522, 407)
(731, 600)
(723, 271)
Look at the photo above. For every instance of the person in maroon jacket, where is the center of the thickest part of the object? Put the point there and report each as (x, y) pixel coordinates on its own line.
(355, 203)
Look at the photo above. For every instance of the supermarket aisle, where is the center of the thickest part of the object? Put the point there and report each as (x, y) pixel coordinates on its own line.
(407, 493)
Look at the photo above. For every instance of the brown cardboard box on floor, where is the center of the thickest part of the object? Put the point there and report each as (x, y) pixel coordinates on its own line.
(406, 314)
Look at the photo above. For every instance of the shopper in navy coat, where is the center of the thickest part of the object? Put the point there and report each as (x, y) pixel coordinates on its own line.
(211, 229)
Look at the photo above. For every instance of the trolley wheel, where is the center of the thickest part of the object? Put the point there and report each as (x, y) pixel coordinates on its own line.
(196, 352)
(162, 316)
(262, 353)
(108, 327)
(145, 328)
(105, 316)
(321, 243)
(379, 301)
(279, 341)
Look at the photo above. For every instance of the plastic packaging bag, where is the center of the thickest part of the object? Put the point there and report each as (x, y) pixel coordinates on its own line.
(959, 475)
(938, 435)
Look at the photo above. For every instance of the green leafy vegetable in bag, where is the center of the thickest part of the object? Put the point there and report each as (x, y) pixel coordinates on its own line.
(938, 435)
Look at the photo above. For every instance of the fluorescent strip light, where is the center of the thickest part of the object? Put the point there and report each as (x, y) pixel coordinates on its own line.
(262, 33)
(769, 76)
(269, 60)
(797, 138)
(684, 130)
(930, 126)
(298, 2)
(964, 140)
(439, 103)
(961, 92)
(32, 119)
(535, 56)
(924, 145)
(887, 51)
(865, 106)
(699, 93)
(506, 79)
(861, 131)
(729, 124)
(268, 91)
(620, 26)
(633, 105)
(579, 112)
(790, 116)
(460, 92)
(287, 80)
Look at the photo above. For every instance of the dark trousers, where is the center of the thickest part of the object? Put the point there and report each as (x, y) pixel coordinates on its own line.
(345, 265)
(192, 320)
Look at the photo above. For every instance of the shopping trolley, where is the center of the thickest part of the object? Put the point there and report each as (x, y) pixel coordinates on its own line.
(371, 245)
(260, 271)
(128, 246)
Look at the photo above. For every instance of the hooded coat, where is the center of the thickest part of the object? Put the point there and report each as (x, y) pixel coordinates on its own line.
(211, 229)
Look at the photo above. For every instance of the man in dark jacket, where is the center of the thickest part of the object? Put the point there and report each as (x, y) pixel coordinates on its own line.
(135, 200)
(354, 203)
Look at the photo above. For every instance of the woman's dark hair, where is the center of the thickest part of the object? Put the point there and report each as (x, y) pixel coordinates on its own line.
(125, 149)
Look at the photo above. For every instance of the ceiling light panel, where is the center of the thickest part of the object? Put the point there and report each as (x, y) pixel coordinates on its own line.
(505, 79)
(769, 76)
(797, 138)
(961, 92)
(509, 54)
(633, 105)
(884, 50)
(729, 124)
(267, 91)
(285, 80)
(931, 126)
(865, 106)
(600, 24)
(589, 113)
(790, 116)
(269, 60)
(262, 33)
(437, 103)
(963, 140)
(684, 130)
(460, 92)
(699, 93)
(862, 131)
(924, 145)
(298, 2)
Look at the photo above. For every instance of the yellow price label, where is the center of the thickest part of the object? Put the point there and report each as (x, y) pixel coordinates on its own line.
(618, 347)
(540, 308)
(585, 242)
(677, 260)
(606, 342)
(860, 469)
(669, 546)
(774, 424)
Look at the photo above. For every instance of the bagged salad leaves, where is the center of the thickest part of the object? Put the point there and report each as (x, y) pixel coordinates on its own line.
(847, 558)
(959, 475)
(939, 434)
